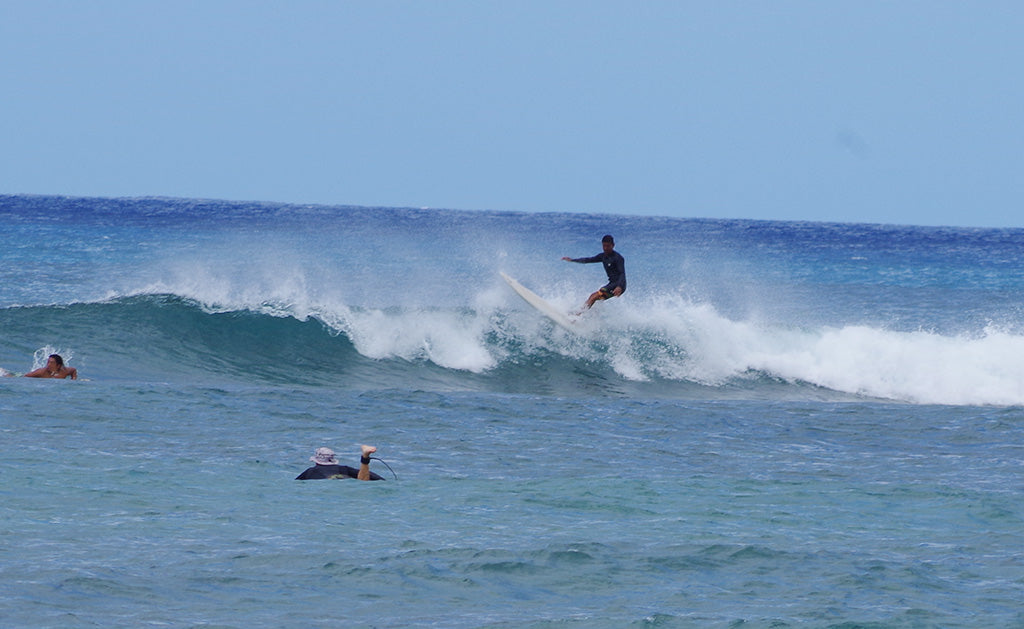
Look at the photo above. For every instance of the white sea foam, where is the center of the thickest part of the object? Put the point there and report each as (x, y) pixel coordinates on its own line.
(696, 343)
(640, 337)
(667, 338)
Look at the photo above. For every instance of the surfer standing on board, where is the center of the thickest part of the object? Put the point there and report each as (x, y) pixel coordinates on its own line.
(614, 266)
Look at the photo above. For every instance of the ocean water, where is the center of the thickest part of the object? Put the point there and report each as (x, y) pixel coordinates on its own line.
(778, 425)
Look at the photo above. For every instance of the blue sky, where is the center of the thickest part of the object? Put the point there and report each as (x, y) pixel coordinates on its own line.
(856, 111)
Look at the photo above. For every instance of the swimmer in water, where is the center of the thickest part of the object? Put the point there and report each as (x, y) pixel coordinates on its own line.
(54, 368)
(326, 466)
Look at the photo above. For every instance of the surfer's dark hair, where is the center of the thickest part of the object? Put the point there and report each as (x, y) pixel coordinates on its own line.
(608, 238)
(57, 359)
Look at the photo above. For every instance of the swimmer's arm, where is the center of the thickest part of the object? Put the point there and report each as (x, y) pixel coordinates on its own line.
(38, 373)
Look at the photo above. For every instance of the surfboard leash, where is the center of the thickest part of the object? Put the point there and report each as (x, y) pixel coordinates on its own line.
(377, 458)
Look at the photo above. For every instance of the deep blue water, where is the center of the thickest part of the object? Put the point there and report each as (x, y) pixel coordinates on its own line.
(779, 424)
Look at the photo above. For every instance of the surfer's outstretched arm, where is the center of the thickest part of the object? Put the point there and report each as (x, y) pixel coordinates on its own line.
(364, 462)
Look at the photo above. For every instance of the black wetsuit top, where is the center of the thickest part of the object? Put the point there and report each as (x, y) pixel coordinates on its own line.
(614, 266)
(333, 471)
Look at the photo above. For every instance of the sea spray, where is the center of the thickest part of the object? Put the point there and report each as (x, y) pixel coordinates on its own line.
(779, 424)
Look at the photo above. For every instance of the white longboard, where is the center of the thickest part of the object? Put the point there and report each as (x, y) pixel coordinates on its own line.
(542, 306)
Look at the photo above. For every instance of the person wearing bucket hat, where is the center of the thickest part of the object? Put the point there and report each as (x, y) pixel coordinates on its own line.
(614, 267)
(327, 466)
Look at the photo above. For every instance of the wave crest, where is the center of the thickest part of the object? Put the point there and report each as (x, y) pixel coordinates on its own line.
(666, 347)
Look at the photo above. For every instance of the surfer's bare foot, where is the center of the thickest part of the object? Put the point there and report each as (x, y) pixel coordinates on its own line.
(364, 463)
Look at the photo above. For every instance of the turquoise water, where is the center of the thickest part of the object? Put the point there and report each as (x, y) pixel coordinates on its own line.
(179, 508)
(691, 459)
